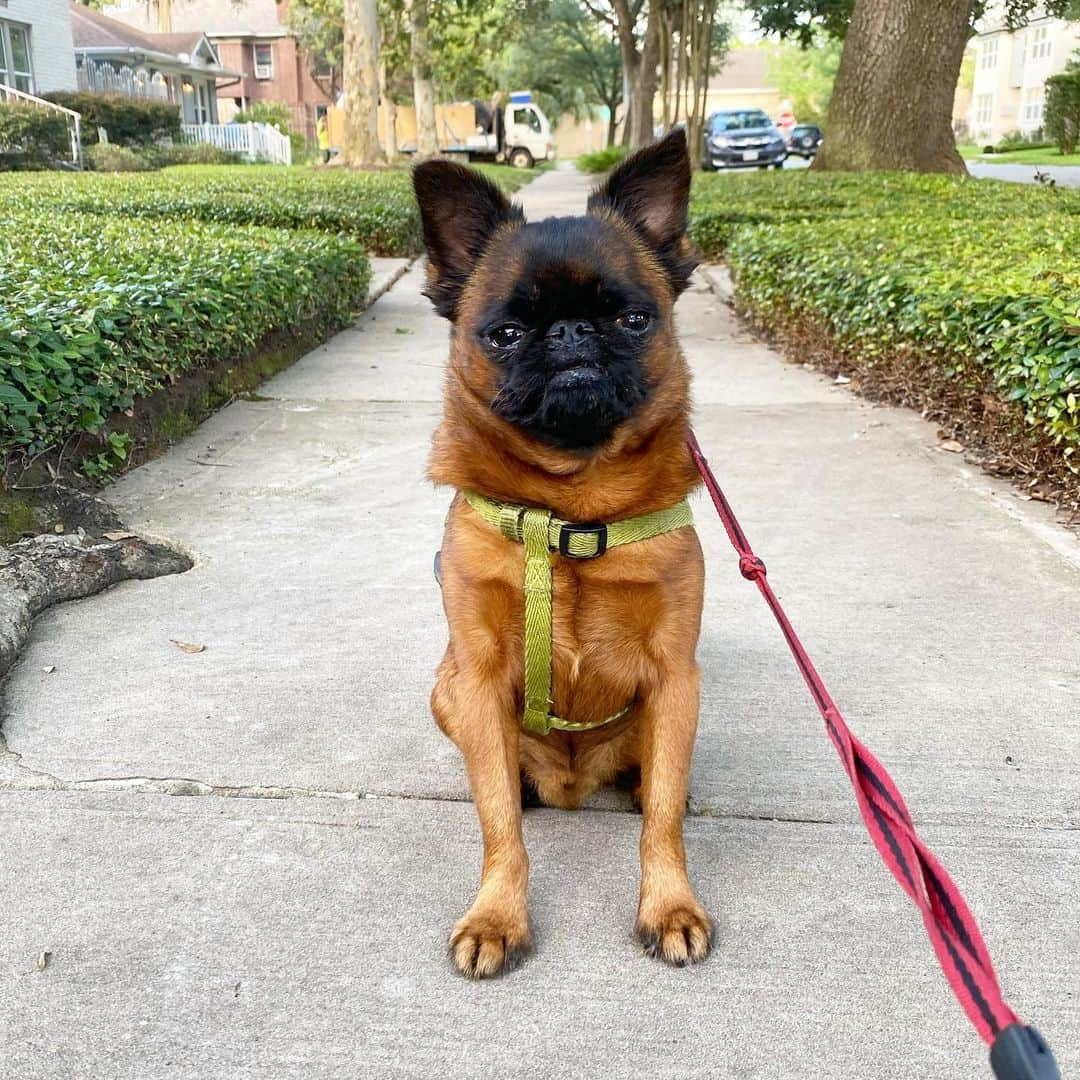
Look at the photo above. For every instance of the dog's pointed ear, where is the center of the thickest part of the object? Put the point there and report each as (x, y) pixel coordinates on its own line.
(460, 210)
(651, 191)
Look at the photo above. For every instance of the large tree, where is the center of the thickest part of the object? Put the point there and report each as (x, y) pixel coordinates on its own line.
(360, 144)
(636, 25)
(891, 105)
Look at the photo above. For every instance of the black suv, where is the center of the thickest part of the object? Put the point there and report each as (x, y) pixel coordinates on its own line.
(804, 140)
(742, 137)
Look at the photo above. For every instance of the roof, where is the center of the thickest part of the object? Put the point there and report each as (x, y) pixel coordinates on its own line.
(92, 30)
(745, 68)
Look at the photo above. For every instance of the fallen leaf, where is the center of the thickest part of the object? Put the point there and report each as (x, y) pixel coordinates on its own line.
(43, 960)
(187, 646)
(49, 669)
(117, 535)
(58, 527)
(951, 446)
(402, 330)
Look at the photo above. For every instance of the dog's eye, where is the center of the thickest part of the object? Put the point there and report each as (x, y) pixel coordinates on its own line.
(506, 336)
(634, 320)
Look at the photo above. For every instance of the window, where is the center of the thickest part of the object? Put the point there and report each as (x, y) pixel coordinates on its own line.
(738, 120)
(984, 110)
(988, 54)
(15, 70)
(527, 118)
(1041, 45)
(264, 61)
(1034, 103)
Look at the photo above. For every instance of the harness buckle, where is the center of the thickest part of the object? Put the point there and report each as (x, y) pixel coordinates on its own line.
(1021, 1053)
(589, 528)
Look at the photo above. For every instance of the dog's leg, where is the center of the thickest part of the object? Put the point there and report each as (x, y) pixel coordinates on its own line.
(493, 936)
(671, 923)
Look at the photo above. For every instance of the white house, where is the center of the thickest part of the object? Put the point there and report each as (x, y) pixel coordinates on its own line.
(183, 68)
(1011, 69)
(36, 50)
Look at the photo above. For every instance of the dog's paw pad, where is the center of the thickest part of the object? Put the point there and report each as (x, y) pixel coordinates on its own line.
(482, 946)
(678, 937)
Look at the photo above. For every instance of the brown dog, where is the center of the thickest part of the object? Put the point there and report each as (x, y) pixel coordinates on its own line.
(567, 390)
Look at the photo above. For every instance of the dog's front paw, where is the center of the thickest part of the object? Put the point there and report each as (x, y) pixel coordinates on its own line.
(486, 943)
(678, 934)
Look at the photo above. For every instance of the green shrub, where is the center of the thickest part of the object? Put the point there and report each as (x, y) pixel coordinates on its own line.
(1019, 140)
(161, 156)
(275, 113)
(97, 311)
(976, 275)
(601, 160)
(31, 135)
(104, 157)
(1063, 110)
(127, 121)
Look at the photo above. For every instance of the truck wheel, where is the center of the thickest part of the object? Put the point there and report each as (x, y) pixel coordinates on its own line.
(520, 158)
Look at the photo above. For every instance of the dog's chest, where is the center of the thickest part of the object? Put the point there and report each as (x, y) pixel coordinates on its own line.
(602, 640)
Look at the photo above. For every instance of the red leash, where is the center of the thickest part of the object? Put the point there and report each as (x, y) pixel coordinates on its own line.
(1017, 1052)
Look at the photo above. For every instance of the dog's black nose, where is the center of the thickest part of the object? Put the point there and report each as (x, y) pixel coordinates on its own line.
(570, 331)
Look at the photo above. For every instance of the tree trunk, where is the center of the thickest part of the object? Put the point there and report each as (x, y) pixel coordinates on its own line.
(389, 111)
(427, 141)
(892, 102)
(639, 113)
(666, 40)
(611, 125)
(701, 52)
(682, 63)
(360, 144)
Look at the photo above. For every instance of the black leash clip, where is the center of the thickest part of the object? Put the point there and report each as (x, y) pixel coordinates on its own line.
(1021, 1053)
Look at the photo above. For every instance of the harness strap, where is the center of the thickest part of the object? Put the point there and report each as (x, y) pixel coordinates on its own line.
(1018, 1052)
(542, 533)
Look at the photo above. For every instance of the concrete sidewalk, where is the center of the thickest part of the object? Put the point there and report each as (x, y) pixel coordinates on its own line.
(289, 919)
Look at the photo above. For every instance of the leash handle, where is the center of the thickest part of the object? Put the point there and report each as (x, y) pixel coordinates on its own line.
(1018, 1052)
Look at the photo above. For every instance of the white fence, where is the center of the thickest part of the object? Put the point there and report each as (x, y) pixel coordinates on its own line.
(17, 97)
(257, 142)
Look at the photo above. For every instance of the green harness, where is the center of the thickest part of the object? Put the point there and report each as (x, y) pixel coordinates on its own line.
(542, 533)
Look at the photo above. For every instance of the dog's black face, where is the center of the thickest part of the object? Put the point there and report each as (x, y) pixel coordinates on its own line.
(569, 338)
(564, 311)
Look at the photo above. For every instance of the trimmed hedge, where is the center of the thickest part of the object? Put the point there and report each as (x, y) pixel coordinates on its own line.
(982, 276)
(377, 208)
(127, 121)
(96, 311)
(32, 136)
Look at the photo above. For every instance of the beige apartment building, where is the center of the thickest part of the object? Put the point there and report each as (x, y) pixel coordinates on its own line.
(1011, 69)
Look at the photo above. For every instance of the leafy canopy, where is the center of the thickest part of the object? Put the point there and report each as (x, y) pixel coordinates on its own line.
(802, 19)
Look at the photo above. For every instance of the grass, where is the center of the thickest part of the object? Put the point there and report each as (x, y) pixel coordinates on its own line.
(1036, 157)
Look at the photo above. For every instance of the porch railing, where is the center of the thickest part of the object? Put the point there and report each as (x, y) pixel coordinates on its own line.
(257, 142)
(105, 78)
(17, 97)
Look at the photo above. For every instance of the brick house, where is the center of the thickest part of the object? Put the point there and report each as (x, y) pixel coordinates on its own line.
(253, 39)
(37, 55)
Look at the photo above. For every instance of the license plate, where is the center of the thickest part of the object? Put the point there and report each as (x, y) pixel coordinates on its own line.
(750, 155)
